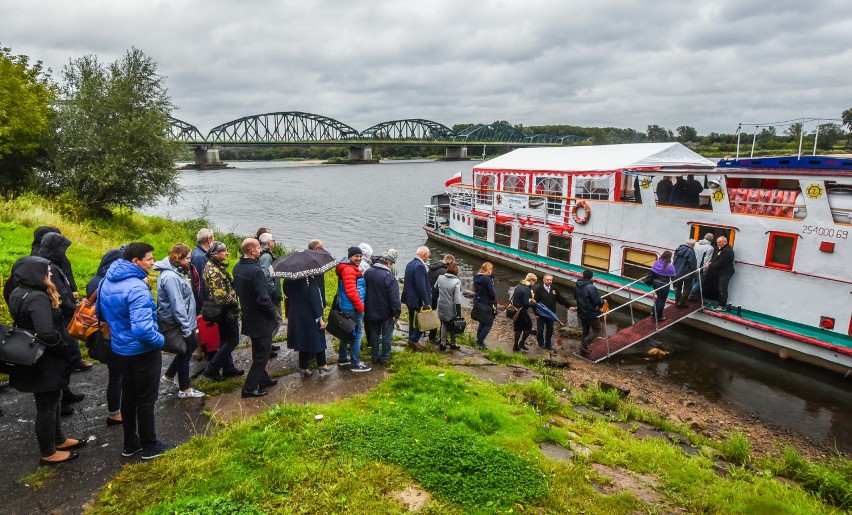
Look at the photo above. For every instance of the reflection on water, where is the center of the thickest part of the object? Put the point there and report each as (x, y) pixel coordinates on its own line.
(382, 204)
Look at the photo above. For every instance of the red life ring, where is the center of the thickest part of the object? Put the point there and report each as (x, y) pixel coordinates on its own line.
(586, 212)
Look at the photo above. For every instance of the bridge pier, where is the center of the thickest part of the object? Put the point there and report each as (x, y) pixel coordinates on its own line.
(360, 153)
(207, 157)
(456, 152)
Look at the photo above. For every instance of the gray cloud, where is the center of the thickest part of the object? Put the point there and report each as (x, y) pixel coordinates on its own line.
(625, 64)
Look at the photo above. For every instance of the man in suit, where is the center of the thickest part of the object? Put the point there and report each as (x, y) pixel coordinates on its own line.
(547, 295)
(259, 321)
(416, 293)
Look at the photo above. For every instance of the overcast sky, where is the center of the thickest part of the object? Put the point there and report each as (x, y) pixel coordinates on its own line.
(709, 64)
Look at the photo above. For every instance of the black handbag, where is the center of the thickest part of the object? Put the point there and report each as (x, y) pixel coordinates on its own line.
(19, 348)
(482, 312)
(100, 347)
(649, 279)
(175, 342)
(211, 311)
(339, 324)
(512, 312)
(457, 325)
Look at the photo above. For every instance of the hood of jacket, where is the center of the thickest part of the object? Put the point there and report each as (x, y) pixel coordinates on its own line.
(165, 264)
(53, 247)
(582, 283)
(30, 271)
(122, 269)
(38, 235)
(366, 252)
(109, 258)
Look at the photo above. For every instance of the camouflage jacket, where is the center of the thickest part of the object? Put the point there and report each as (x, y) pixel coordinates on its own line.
(220, 288)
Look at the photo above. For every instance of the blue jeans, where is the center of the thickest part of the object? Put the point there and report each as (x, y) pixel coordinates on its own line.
(482, 331)
(662, 295)
(696, 285)
(229, 338)
(379, 332)
(414, 334)
(356, 343)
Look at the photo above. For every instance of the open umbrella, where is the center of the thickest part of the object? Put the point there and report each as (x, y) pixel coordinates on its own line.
(305, 263)
(543, 311)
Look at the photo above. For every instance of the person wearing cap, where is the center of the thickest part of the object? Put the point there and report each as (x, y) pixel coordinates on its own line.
(198, 259)
(220, 288)
(685, 264)
(381, 307)
(351, 289)
(267, 246)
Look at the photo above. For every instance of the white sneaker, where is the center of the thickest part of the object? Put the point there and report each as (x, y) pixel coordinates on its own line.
(360, 367)
(170, 380)
(191, 394)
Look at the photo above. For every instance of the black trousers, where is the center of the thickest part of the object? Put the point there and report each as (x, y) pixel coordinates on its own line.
(305, 358)
(544, 332)
(591, 329)
(723, 281)
(47, 426)
(139, 390)
(261, 346)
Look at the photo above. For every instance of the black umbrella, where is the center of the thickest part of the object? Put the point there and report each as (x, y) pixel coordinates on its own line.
(305, 263)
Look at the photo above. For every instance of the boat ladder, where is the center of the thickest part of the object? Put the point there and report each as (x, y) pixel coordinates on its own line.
(639, 331)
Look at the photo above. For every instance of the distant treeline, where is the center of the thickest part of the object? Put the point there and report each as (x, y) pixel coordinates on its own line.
(832, 137)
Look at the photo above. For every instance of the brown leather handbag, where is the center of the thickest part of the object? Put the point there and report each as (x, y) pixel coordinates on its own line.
(85, 321)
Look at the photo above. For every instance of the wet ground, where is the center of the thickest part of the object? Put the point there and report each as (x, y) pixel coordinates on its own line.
(649, 380)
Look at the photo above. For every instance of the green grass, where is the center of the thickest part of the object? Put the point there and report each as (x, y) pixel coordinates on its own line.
(37, 478)
(472, 445)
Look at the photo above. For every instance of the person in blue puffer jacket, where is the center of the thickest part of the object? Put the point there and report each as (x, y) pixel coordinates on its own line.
(126, 304)
(176, 307)
(351, 290)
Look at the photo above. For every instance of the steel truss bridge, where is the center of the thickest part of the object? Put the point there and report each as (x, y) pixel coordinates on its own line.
(298, 128)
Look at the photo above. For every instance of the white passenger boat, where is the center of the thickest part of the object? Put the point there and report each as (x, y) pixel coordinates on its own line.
(562, 209)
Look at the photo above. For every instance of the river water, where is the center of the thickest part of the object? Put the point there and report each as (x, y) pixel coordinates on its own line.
(382, 205)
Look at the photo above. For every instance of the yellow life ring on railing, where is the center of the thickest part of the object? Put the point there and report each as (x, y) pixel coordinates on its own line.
(587, 212)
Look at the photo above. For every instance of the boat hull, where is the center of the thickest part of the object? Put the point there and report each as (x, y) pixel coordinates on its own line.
(786, 346)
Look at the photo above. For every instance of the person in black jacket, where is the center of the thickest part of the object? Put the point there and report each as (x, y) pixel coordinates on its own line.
(258, 317)
(436, 270)
(34, 305)
(381, 308)
(522, 298)
(589, 304)
(721, 268)
(664, 191)
(485, 298)
(548, 295)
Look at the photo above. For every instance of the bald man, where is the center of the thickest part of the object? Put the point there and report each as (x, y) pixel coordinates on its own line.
(259, 321)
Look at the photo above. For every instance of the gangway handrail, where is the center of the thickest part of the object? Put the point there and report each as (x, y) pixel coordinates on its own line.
(654, 291)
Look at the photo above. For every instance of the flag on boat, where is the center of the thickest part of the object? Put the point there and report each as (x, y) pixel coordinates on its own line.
(455, 179)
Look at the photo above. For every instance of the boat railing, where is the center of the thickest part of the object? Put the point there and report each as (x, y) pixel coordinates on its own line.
(432, 216)
(629, 292)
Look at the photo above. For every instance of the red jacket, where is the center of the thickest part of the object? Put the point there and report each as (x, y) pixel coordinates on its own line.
(349, 276)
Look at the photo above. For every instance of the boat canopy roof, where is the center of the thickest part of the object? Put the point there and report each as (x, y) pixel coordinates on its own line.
(598, 158)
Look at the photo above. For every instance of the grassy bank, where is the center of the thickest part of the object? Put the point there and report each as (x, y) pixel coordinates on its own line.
(472, 445)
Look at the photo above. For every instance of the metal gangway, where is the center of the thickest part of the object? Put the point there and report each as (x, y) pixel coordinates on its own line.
(639, 331)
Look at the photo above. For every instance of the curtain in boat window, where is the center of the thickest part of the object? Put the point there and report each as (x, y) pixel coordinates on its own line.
(596, 255)
(551, 186)
(517, 183)
(485, 184)
(594, 187)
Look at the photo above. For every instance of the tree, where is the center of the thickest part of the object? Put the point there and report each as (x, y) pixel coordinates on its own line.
(685, 134)
(658, 134)
(25, 119)
(828, 135)
(113, 139)
(847, 118)
(794, 131)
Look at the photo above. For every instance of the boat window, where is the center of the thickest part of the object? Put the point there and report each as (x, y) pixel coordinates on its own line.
(559, 248)
(637, 263)
(764, 201)
(594, 187)
(480, 229)
(699, 231)
(840, 201)
(485, 185)
(528, 241)
(503, 234)
(551, 186)
(596, 255)
(781, 250)
(631, 184)
(515, 183)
